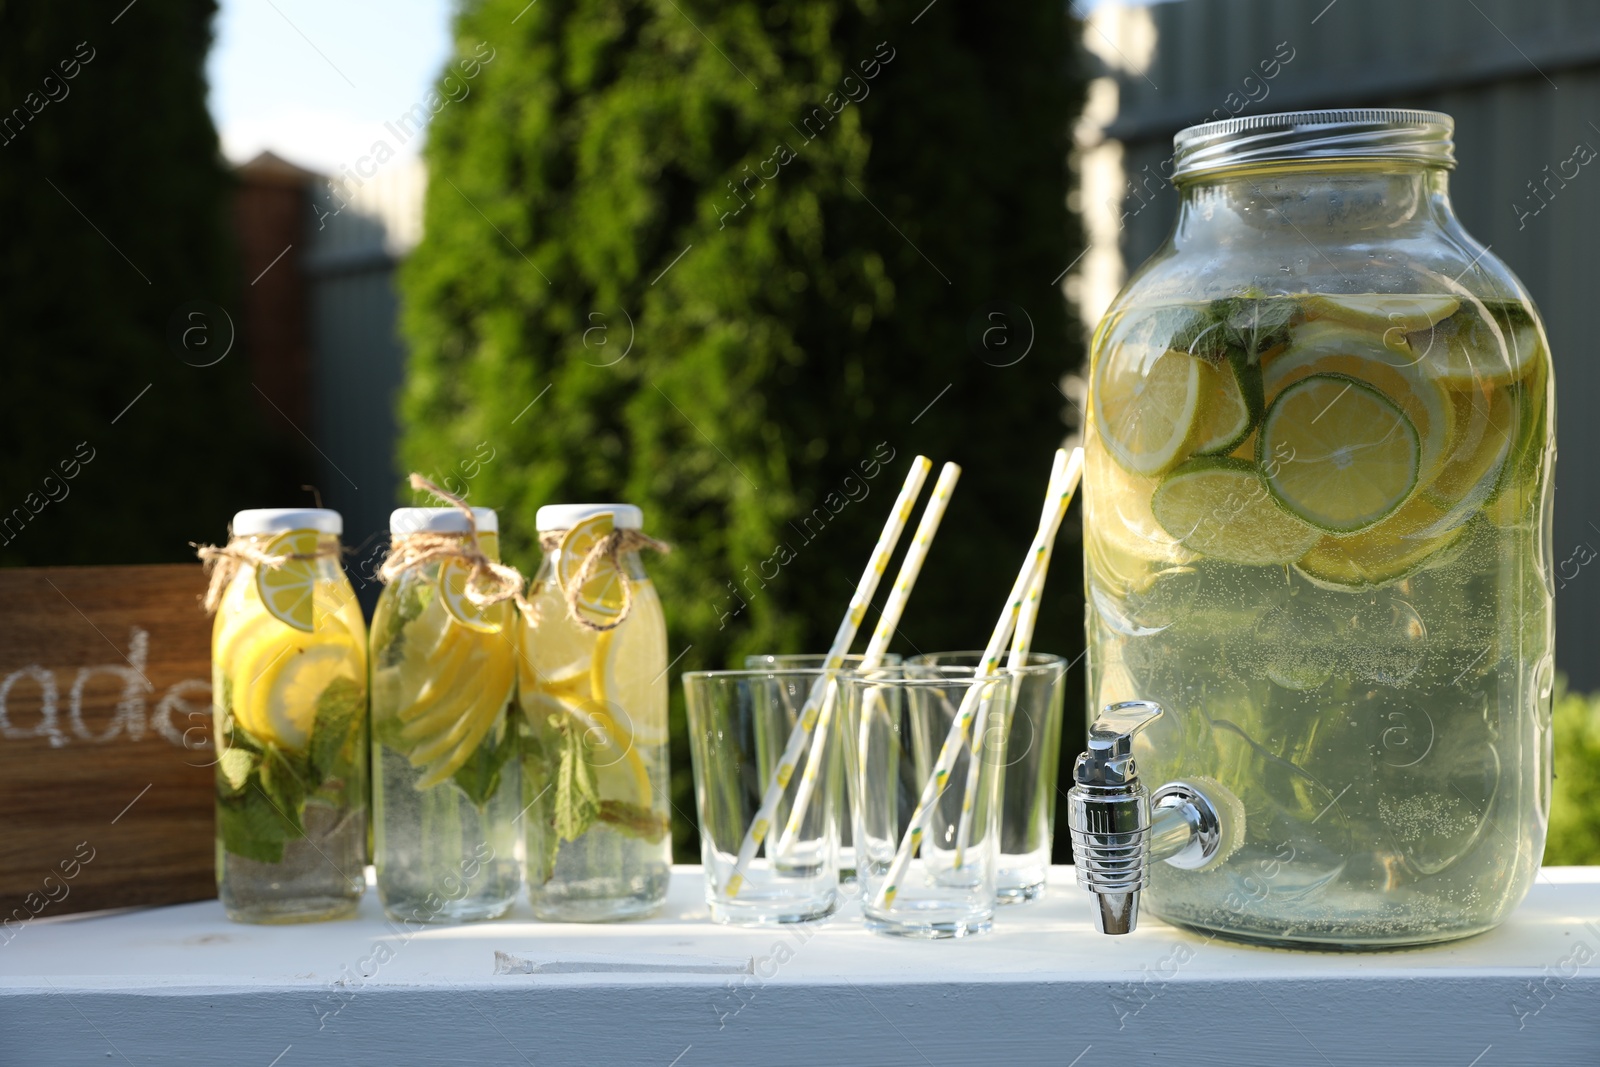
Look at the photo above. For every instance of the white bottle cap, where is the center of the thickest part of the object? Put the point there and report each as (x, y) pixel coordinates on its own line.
(258, 521)
(566, 516)
(404, 521)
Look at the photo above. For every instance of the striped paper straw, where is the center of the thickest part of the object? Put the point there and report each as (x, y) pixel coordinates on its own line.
(910, 567)
(842, 640)
(1021, 645)
(1063, 480)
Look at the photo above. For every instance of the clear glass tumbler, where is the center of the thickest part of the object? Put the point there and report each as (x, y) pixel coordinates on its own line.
(844, 795)
(929, 807)
(740, 727)
(1031, 758)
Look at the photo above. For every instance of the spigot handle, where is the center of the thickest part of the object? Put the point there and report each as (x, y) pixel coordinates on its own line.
(1108, 760)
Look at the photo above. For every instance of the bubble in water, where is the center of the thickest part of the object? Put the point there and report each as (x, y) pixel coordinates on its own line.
(1298, 643)
(1384, 640)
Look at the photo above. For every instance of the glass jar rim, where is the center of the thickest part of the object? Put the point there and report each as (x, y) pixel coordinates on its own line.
(1394, 134)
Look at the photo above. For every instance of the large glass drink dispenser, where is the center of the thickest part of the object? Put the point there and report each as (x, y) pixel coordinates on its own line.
(1317, 530)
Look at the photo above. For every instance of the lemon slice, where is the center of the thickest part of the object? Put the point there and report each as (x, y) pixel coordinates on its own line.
(282, 680)
(1326, 347)
(1127, 548)
(288, 590)
(1405, 313)
(1394, 549)
(1222, 508)
(600, 600)
(1145, 409)
(1489, 427)
(1343, 454)
(453, 575)
(1230, 404)
(468, 715)
(1469, 351)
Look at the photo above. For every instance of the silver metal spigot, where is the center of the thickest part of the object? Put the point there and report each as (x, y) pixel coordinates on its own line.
(1117, 830)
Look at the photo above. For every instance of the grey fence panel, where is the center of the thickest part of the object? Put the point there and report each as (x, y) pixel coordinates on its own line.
(1523, 82)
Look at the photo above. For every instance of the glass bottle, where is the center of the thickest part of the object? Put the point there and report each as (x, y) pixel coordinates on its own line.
(1317, 533)
(593, 691)
(445, 789)
(289, 684)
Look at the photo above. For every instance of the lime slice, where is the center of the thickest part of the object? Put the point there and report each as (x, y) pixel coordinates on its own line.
(1230, 404)
(1474, 349)
(288, 589)
(1222, 508)
(1395, 549)
(1326, 347)
(601, 598)
(453, 576)
(1145, 409)
(1405, 313)
(1342, 455)
(280, 680)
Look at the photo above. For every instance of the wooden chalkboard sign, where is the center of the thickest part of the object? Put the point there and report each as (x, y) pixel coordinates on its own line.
(105, 740)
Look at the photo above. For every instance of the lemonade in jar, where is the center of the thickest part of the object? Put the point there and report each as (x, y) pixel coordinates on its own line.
(593, 692)
(1318, 465)
(289, 697)
(445, 787)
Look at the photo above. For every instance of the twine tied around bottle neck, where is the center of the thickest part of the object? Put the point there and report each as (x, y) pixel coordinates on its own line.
(488, 583)
(611, 547)
(222, 562)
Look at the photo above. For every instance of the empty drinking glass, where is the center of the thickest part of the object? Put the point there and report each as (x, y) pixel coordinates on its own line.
(766, 863)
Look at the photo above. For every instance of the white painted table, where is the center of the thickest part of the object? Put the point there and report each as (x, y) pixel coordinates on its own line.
(182, 985)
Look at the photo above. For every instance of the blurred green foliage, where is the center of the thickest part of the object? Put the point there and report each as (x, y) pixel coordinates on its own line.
(724, 260)
(115, 202)
(1575, 803)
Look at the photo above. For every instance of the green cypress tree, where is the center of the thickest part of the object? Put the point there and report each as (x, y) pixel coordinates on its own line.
(115, 199)
(795, 219)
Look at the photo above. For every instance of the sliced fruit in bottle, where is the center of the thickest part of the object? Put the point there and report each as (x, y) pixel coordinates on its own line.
(1145, 409)
(280, 679)
(1396, 548)
(1381, 312)
(1477, 348)
(1342, 454)
(288, 590)
(1326, 347)
(1230, 404)
(1222, 508)
(1487, 430)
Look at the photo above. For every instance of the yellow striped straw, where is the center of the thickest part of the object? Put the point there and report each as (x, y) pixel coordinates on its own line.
(842, 640)
(1021, 645)
(1064, 475)
(910, 568)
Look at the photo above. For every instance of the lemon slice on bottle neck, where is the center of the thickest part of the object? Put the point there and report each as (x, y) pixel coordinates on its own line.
(601, 596)
(454, 574)
(288, 590)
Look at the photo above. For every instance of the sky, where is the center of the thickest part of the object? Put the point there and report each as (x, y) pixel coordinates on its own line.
(315, 80)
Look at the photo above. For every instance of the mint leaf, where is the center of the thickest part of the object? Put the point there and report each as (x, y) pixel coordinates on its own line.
(479, 777)
(236, 766)
(251, 828)
(577, 800)
(340, 708)
(1257, 325)
(282, 780)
